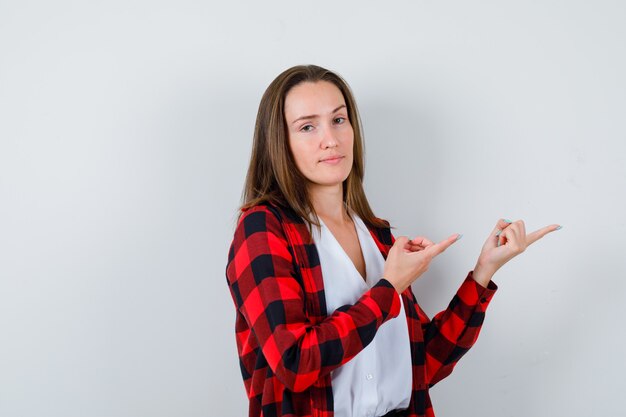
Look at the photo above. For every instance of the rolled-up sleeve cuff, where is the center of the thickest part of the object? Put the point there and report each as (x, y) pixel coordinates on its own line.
(387, 298)
(472, 293)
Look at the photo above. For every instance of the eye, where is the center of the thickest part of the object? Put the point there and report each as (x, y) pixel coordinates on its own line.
(339, 120)
(306, 128)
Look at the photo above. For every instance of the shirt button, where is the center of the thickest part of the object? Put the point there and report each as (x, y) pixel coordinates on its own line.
(369, 376)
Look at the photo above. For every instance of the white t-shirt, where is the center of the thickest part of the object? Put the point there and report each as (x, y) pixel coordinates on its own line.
(378, 379)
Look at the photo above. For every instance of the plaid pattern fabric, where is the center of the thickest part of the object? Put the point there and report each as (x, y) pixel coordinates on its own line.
(288, 343)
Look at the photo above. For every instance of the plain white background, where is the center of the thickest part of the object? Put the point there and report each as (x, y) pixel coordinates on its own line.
(125, 132)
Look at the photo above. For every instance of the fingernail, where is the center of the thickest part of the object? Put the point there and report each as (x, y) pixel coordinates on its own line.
(498, 245)
(459, 237)
(498, 232)
(507, 221)
(559, 228)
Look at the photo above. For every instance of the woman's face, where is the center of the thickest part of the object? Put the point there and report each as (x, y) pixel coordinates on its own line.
(320, 134)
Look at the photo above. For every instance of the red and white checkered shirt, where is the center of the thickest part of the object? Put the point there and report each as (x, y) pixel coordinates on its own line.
(288, 343)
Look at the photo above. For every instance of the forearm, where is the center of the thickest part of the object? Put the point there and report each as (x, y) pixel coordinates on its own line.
(453, 331)
(483, 275)
(300, 352)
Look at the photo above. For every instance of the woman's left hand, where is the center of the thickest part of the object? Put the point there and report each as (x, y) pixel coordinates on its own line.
(506, 241)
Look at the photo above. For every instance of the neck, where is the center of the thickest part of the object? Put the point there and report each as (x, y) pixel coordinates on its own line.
(328, 203)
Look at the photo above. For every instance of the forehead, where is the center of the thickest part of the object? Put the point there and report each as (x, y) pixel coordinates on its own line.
(312, 98)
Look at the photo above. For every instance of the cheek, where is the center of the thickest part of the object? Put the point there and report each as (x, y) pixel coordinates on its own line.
(349, 142)
(350, 149)
(348, 135)
(299, 152)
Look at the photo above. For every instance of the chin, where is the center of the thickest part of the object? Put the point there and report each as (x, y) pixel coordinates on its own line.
(332, 182)
(328, 179)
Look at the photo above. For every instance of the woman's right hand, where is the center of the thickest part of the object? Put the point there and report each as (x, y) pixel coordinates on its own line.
(408, 259)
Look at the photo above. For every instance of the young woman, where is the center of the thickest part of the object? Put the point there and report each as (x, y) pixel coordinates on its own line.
(326, 321)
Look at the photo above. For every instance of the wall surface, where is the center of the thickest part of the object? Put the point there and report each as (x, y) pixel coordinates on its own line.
(125, 130)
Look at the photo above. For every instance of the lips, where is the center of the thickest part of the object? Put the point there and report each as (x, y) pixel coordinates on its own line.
(332, 158)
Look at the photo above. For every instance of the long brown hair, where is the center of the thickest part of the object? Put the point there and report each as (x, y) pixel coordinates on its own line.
(273, 176)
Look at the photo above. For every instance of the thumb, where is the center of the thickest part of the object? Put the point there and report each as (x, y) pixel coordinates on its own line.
(401, 242)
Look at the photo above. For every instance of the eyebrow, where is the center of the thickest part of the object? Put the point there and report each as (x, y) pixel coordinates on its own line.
(313, 116)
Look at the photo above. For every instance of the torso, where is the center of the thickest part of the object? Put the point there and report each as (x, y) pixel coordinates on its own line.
(348, 239)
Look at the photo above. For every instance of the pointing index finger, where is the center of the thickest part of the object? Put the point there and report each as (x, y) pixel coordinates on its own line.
(538, 234)
(438, 248)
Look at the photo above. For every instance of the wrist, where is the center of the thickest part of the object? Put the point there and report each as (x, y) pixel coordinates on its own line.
(483, 275)
(394, 284)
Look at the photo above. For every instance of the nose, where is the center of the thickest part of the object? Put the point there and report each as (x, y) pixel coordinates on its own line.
(328, 140)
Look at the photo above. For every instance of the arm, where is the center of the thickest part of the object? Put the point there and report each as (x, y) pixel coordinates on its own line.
(452, 332)
(269, 294)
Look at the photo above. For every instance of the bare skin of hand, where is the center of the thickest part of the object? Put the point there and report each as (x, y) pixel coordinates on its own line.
(506, 241)
(408, 259)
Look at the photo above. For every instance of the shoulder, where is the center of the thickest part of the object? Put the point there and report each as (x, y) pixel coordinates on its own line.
(259, 219)
(273, 218)
(258, 237)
